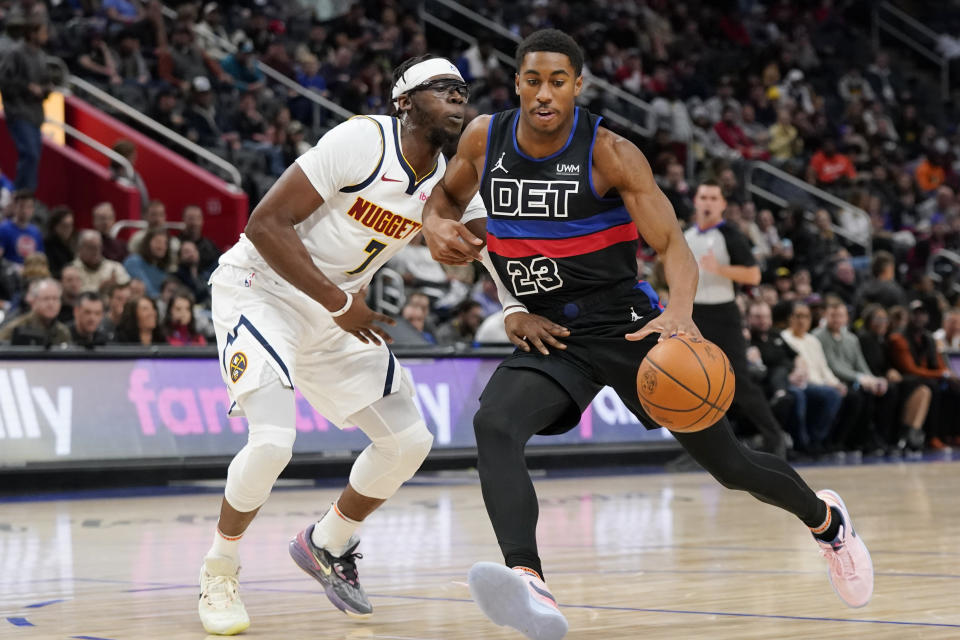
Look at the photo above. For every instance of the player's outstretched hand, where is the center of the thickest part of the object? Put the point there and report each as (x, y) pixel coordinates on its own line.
(667, 324)
(450, 241)
(360, 321)
(524, 329)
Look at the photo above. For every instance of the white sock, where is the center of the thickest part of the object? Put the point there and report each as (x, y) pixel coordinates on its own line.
(333, 531)
(223, 558)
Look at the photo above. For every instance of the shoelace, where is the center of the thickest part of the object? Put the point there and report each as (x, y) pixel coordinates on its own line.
(346, 566)
(841, 560)
(221, 591)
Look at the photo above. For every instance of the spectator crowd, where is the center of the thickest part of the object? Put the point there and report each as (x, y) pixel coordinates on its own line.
(64, 286)
(855, 311)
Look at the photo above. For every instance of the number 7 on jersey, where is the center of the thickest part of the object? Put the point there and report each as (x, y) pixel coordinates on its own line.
(374, 247)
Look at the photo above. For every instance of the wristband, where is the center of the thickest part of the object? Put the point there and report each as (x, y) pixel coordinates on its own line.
(345, 308)
(514, 308)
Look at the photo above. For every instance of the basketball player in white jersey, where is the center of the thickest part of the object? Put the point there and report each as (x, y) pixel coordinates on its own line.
(288, 311)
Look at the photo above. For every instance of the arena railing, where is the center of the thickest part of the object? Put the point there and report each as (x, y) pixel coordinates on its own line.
(319, 101)
(230, 172)
(122, 225)
(791, 190)
(889, 19)
(95, 145)
(389, 291)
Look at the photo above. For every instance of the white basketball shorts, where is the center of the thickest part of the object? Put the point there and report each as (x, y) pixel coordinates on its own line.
(266, 326)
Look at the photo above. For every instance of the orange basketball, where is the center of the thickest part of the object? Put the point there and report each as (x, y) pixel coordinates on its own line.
(685, 384)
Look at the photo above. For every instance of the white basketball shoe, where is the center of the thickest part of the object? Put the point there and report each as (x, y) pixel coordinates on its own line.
(221, 610)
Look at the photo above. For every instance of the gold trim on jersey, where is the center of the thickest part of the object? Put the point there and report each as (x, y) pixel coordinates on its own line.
(414, 181)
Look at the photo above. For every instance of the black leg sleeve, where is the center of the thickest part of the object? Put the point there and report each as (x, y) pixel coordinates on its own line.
(516, 404)
(766, 477)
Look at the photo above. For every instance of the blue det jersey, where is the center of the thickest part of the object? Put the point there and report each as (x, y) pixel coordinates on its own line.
(552, 238)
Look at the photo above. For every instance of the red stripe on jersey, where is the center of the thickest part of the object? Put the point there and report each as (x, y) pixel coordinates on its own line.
(562, 247)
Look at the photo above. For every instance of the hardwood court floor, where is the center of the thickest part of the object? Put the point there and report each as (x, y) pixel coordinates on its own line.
(643, 556)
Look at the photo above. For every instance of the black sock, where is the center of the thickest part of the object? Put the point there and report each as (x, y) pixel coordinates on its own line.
(836, 519)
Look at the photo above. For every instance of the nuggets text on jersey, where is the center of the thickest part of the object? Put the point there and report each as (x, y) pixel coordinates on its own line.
(382, 220)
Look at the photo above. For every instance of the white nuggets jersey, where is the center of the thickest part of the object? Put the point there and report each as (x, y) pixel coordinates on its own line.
(372, 202)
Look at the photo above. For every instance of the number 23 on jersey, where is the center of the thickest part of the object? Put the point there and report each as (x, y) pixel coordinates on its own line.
(541, 274)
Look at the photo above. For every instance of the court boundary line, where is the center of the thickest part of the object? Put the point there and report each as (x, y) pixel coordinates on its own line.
(250, 586)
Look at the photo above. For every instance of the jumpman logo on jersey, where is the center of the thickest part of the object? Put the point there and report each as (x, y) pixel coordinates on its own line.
(633, 316)
(499, 164)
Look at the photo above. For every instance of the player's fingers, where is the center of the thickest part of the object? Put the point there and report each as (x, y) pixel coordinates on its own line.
(379, 317)
(460, 255)
(642, 333)
(370, 335)
(359, 336)
(383, 334)
(553, 342)
(667, 332)
(535, 339)
(467, 236)
(557, 330)
(451, 257)
(519, 342)
(465, 251)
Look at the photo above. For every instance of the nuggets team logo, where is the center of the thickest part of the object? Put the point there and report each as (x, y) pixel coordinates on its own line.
(238, 364)
(648, 383)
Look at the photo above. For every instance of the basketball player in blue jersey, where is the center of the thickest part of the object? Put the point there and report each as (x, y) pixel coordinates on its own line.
(566, 200)
(288, 312)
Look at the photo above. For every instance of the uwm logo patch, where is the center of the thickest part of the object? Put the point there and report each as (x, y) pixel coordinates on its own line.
(238, 364)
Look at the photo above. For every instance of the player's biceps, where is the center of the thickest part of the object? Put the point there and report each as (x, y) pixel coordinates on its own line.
(662, 229)
(290, 200)
(460, 181)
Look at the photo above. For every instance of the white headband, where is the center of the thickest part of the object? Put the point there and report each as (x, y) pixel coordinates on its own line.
(420, 73)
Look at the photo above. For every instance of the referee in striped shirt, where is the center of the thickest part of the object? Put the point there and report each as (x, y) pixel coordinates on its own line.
(725, 260)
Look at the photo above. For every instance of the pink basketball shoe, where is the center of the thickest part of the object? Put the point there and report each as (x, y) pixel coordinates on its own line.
(851, 569)
(517, 598)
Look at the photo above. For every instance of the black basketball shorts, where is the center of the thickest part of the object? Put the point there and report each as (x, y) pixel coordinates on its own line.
(597, 353)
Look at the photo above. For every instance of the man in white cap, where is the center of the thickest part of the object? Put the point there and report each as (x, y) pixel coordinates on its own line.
(211, 32)
(289, 312)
